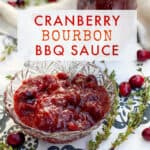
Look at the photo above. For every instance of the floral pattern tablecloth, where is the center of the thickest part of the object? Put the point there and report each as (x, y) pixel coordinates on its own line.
(124, 70)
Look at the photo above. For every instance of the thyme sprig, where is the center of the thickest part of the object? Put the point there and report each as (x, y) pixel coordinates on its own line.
(135, 118)
(9, 77)
(5, 146)
(35, 2)
(106, 129)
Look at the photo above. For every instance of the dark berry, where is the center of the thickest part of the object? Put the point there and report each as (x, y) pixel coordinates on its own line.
(15, 139)
(20, 3)
(146, 134)
(136, 81)
(62, 76)
(52, 1)
(107, 4)
(12, 3)
(143, 55)
(52, 87)
(125, 89)
(73, 98)
(79, 79)
(91, 81)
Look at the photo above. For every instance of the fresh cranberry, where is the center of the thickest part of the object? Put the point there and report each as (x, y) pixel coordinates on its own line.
(15, 139)
(52, 1)
(72, 126)
(20, 3)
(91, 81)
(136, 81)
(146, 134)
(148, 54)
(65, 83)
(125, 89)
(62, 76)
(52, 87)
(104, 4)
(143, 55)
(79, 79)
(12, 3)
(115, 4)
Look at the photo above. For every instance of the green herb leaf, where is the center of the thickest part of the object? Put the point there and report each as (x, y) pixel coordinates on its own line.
(7, 51)
(9, 77)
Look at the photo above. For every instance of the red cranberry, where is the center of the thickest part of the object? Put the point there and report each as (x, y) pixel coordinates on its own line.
(12, 3)
(52, 87)
(125, 89)
(95, 109)
(15, 139)
(65, 83)
(143, 55)
(104, 4)
(52, 1)
(146, 134)
(62, 76)
(115, 4)
(20, 3)
(79, 79)
(148, 54)
(136, 81)
(91, 81)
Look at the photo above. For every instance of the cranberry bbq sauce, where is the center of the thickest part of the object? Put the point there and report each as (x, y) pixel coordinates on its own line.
(55, 103)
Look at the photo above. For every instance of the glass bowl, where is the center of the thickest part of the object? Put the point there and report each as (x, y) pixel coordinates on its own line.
(44, 67)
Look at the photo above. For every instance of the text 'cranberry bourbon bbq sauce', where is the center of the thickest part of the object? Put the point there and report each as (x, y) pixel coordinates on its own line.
(54, 103)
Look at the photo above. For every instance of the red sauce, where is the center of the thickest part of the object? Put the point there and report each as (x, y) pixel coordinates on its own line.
(60, 103)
